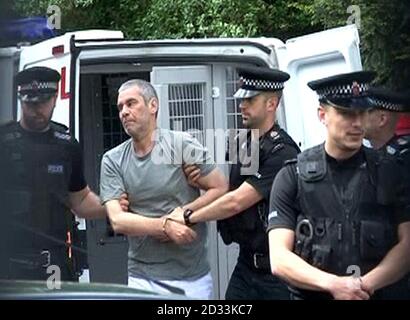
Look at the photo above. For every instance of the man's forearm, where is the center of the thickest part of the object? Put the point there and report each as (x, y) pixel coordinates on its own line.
(89, 207)
(392, 268)
(205, 199)
(222, 208)
(214, 184)
(298, 272)
(133, 224)
(229, 204)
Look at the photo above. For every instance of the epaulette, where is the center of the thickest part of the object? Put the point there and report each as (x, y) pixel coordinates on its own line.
(59, 127)
(403, 141)
(60, 131)
(399, 146)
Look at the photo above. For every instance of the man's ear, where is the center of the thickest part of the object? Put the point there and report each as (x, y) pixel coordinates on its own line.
(321, 114)
(384, 118)
(273, 102)
(153, 105)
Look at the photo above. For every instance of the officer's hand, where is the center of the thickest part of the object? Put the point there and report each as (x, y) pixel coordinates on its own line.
(348, 288)
(192, 173)
(124, 203)
(177, 215)
(179, 233)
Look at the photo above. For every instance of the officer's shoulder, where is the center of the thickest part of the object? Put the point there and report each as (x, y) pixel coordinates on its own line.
(61, 132)
(275, 141)
(8, 127)
(4, 125)
(289, 170)
(277, 135)
(401, 145)
(281, 140)
(59, 127)
(382, 158)
(290, 162)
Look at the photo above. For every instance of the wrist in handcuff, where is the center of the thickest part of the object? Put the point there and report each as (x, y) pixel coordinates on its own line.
(164, 223)
(187, 214)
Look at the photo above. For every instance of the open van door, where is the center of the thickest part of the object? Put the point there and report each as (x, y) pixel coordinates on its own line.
(308, 58)
(60, 54)
(9, 58)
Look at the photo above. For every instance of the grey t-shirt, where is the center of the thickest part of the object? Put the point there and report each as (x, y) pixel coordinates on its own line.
(156, 184)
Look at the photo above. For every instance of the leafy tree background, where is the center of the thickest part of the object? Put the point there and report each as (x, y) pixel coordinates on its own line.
(384, 24)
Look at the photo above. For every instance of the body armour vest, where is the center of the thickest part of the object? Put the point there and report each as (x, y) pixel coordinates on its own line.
(36, 170)
(248, 228)
(346, 232)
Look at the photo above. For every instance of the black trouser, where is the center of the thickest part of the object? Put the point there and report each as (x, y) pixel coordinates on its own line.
(248, 282)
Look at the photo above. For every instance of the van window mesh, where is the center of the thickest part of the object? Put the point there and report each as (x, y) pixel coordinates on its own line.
(186, 108)
(113, 132)
(233, 112)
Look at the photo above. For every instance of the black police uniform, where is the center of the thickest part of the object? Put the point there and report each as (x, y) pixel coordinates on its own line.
(252, 277)
(344, 213)
(399, 147)
(37, 172)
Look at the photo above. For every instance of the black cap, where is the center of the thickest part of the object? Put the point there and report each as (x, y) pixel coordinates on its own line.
(37, 84)
(389, 100)
(255, 80)
(347, 90)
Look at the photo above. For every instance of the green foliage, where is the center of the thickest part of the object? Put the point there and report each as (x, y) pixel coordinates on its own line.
(159, 19)
(384, 33)
(384, 24)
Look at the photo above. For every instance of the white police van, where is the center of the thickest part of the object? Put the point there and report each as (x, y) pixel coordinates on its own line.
(195, 79)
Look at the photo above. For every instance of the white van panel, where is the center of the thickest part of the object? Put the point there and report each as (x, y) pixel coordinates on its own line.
(309, 58)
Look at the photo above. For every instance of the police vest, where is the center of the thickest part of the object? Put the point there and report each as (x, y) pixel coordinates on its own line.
(248, 228)
(37, 174)
(350, 232)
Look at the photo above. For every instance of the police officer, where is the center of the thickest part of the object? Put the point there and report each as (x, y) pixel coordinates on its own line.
(42, 183)
(383, 119)
(242, 211)
(380, 132)
(338, 226)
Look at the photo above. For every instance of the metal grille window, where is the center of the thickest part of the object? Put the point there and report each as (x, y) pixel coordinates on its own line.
(232, 105)
(186, 108)
(113, 132)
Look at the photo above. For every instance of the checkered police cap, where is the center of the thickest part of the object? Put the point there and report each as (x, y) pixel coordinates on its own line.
(37, 84)
(255, 80)
(389, 100)
(348, 90)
